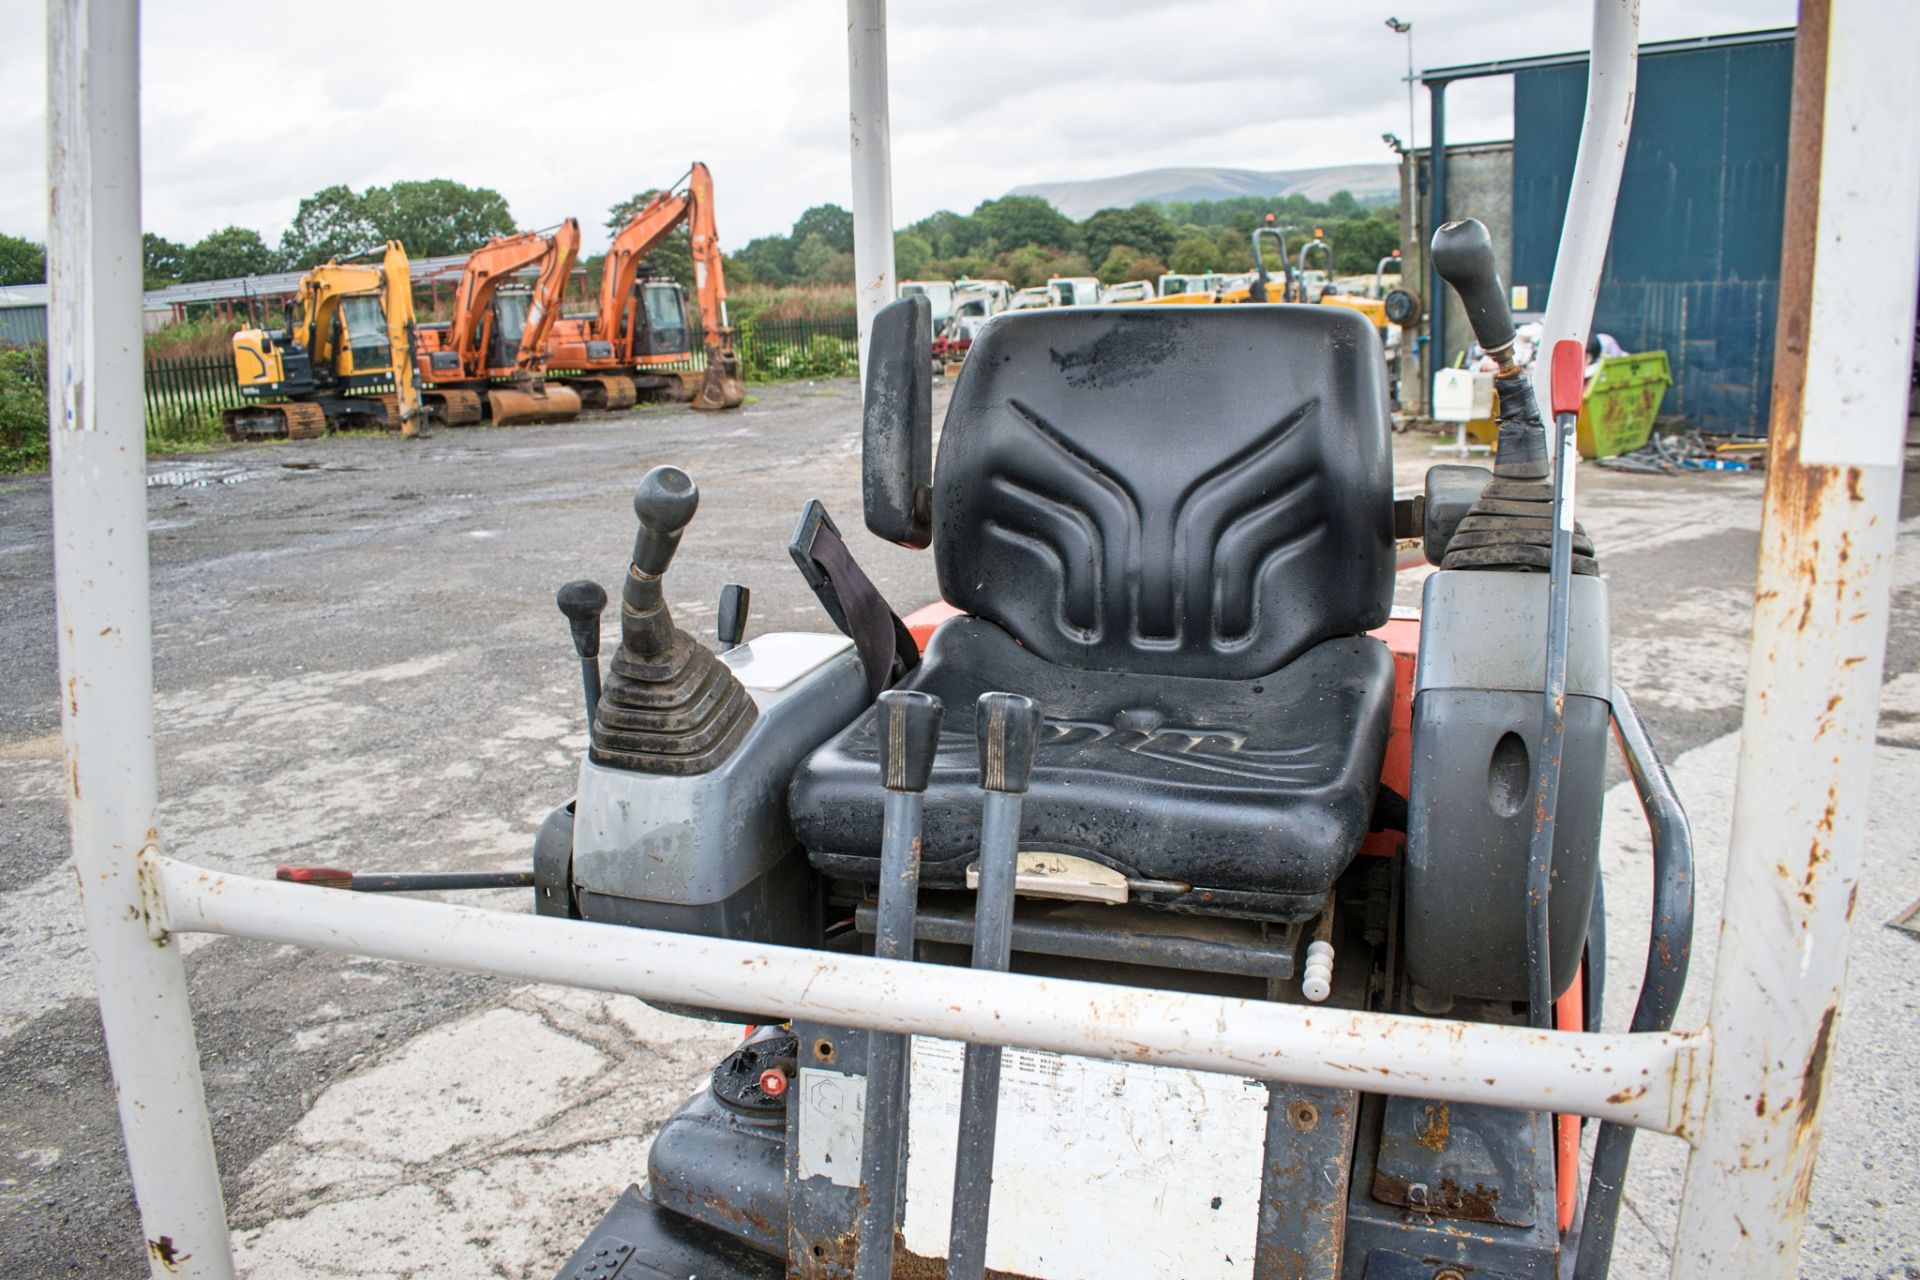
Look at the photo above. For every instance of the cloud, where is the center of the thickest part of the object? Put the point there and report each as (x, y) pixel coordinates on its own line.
(572, 107)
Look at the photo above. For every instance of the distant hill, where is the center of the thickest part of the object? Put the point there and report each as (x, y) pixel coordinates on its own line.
(1369, 183)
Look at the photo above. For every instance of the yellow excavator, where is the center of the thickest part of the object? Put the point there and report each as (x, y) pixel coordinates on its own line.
(349, 336)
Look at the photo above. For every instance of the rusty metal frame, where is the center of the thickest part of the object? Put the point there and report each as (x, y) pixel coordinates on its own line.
(1744, 1091)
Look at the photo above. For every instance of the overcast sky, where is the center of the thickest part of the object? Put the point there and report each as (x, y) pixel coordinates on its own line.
(568, 107)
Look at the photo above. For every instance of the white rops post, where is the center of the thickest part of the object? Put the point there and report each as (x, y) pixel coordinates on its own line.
(1820, 612)
(1818, 643)
(870, 142)
(97, 427)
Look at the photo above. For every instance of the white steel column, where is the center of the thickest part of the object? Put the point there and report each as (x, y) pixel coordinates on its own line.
(1613, 69)
(106, 654)
(1819, 634)
(871, 142)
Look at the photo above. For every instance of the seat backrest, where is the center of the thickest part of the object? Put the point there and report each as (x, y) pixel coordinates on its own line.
(1198, 491)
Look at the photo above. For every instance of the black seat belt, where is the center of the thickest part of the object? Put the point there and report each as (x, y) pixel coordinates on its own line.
(887, 649)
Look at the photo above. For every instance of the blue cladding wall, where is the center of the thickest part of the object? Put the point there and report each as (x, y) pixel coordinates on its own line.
(1694, 263)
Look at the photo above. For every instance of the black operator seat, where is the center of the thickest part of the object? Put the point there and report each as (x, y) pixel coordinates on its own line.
(1172, 527)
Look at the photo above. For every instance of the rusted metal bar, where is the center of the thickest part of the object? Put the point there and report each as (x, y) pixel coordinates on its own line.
(1841, 369)
(101, 594)
(1008, 726)
(909, 734)
(1663, 978)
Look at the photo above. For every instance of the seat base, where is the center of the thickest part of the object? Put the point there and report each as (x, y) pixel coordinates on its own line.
(1219, 797)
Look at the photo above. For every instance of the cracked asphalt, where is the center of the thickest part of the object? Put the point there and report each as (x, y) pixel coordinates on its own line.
(358, 662)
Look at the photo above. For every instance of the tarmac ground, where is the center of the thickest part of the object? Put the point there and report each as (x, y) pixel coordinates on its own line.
(358, 663)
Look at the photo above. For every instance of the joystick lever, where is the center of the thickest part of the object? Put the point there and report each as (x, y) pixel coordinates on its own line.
(669, 705)
(583, 602)
(665, 503)
(1463, 255)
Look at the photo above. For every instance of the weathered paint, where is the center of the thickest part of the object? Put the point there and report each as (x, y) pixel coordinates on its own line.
(1819, 638)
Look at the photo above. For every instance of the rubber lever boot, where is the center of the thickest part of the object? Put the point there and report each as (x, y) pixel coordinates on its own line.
(1463, 255)
(669, 706)
(583, 602)
(908, 723)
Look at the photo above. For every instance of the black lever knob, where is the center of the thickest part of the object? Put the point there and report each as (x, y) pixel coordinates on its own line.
(1463, 255)
(1008, 726)
(583, 602)
(734, 600)
(665, 503)
(909, 736)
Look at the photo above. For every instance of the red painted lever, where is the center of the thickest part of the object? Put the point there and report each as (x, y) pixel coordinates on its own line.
(1569, 374)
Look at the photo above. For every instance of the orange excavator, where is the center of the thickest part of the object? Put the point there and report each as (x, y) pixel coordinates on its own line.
(621, 349)
(490, 360)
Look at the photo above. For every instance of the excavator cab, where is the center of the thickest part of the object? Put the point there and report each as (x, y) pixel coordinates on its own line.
(1166, 729)
(364, 347)
(505, 327)
(660, 314)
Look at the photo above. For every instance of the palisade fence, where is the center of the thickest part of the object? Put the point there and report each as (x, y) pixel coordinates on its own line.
(185, 396)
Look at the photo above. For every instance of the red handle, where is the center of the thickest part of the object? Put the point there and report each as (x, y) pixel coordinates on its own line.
(325, 877)
(1569, 372)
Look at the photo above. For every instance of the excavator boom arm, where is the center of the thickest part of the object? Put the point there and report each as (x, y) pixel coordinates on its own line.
(709, 277)
(486, 269)
(563, 247)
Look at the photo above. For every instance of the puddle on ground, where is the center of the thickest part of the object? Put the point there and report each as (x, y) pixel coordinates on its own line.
(198, 475)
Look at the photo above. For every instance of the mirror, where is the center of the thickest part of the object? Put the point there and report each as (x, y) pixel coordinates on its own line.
(896, 456)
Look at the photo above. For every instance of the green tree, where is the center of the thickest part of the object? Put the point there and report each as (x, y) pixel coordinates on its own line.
(1024, 220)
(1360, 243)
(830, 222)
(674, 254)
(1143, 227)
(770, 258)
(1236, 251)
(818, 262)
(160, 260)
(228, 252)
(952, 235)
(438, 217)
(1118, 264)
(911, 254)
(1026, 266)
(1195, 255)
(22, 261)
(333, 222)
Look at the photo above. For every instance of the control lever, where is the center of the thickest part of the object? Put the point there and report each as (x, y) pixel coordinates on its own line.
(665, 503)
(909, 727)
(583, 602)
(1568, 366)
(1463, 255)
(1008, 727)
(669, 706)
(734, 600)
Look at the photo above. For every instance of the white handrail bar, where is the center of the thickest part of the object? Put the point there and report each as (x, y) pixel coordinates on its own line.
(1637, 1079)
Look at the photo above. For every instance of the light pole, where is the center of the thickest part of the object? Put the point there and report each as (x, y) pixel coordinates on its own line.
(1406, 29)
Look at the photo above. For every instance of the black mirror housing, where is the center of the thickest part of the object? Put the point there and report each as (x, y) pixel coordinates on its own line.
(896, 455)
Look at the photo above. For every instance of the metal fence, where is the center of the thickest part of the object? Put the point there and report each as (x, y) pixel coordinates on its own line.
(184, 396)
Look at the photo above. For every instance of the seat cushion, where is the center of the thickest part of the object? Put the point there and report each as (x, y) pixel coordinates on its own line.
(1252, 795)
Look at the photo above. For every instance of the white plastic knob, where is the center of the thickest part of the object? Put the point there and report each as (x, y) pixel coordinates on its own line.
(1317, 981)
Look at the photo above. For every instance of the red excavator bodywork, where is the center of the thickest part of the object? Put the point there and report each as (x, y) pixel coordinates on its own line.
(501, 333)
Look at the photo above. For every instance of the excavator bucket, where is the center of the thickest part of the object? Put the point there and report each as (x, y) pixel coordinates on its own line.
(722, 387)
(508, 406)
